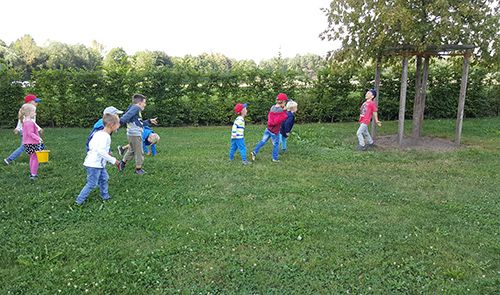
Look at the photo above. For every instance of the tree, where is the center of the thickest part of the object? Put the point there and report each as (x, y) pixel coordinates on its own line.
(116, 57)
(27, 49)
(71, 56)
(367, 27)
(148, 60)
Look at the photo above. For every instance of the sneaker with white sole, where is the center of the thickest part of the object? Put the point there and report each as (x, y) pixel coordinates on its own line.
(371, 145)
(33, 176)
(246, 162)
(276, 161)
(140, 171)
(121, 151)
(253, 154)
(121, 166)
(361, 148)
(7, 161)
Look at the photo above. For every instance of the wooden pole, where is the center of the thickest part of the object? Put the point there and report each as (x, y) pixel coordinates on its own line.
(377, 88)
(402, 100)
(461, 100)
(416, 103)
(425, 78)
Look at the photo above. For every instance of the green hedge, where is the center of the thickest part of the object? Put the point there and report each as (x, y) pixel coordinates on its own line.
(180, 96)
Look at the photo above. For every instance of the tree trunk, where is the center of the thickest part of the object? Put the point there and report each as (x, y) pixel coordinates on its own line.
(377, 88)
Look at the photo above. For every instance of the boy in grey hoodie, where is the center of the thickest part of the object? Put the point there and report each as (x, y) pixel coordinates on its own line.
(135, 125)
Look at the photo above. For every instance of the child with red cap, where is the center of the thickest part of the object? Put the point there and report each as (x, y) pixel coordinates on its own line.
(33, 100)
(366, 111)
(276, 116)
(237, 140)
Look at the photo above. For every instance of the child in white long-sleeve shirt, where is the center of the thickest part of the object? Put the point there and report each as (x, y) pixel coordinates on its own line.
(96, 159)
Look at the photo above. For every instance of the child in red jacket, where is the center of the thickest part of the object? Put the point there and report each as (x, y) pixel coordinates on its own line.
(277, 115)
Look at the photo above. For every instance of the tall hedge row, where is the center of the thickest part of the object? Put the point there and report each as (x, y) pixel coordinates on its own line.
(187, 97)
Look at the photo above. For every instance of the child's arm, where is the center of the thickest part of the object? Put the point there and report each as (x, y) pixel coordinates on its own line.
(287, 125)
(149, 121)
(234, 129)
(375, 115)
(153, 149)
(38, 127)
(19, 127)
(103, 150)
(131, 112)
(33, 131)
(144, 146)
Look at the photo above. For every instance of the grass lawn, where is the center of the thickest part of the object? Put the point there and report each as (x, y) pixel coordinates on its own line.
(325, 220)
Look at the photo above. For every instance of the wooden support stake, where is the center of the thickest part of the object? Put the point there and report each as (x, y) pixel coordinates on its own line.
(402, 101)
(416, 104)
(425, 78)
(461, 100)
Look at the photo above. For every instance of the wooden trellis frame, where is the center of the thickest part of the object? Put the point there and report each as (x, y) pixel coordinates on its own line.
(421, 86)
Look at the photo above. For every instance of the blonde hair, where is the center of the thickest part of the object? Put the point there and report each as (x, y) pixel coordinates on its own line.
(109, 119)
(26, 109)
(291, 104)
(154, 138)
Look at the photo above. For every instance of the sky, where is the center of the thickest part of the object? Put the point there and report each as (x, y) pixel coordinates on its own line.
(243, 30)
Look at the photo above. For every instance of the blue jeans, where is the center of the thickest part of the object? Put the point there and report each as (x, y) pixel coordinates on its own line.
(240, 145)
(275, 140)
(17, 152)
(95, 177)
(283, 142)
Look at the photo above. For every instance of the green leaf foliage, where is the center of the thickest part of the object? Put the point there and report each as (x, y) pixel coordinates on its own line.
(367, 27)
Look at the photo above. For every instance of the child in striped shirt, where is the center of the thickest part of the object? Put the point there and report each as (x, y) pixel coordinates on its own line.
(237, 140)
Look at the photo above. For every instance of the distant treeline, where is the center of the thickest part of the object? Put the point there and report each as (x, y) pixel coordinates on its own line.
(76, 83)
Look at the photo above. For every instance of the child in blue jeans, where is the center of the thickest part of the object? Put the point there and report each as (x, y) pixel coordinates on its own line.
(276, 116)
(237, 139)
(96, 159)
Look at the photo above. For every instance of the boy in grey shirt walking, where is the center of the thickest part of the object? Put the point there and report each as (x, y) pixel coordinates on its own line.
(135, 126)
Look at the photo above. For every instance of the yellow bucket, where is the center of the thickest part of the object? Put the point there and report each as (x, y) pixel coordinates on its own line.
(43, 156)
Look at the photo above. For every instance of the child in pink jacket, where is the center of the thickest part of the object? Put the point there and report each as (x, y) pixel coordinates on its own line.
(31, 139)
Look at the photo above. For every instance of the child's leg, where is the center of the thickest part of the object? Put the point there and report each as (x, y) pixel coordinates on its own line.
(243, 148)
(367, 135)
(283, 142)
(17, 152)
(125, 147)
(131, 150)
(33, 164)
(103, 183)
(262, 142)
(276, 145)
(92, 180)
(233, 148)
(139, 153)
(359, 133)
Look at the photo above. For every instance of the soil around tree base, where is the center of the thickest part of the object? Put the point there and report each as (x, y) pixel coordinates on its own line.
(421, 143)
